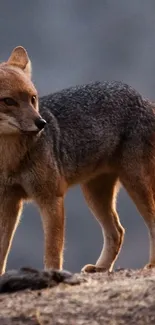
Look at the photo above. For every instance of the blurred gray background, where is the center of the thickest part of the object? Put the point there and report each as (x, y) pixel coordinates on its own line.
(74, 42)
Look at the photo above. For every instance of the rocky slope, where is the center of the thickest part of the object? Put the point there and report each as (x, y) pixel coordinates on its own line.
(125, 297)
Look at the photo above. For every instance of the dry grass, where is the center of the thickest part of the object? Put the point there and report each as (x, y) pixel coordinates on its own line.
(121, 298)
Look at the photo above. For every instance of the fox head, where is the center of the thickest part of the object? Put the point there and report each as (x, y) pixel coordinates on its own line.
(18, 96)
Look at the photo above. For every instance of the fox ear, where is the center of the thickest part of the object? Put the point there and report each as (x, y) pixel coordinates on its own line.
(20, 59)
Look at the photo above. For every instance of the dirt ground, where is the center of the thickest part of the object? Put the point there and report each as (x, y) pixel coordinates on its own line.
(124, 297)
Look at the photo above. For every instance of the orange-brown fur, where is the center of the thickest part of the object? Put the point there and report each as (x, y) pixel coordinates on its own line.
(17, 130)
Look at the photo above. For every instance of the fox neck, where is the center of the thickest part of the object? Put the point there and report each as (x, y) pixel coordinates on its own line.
(12, 150)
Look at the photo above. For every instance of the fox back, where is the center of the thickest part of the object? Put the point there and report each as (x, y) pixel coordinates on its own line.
(90, 125)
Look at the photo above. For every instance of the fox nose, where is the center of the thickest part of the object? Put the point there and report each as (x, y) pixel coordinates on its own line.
(40, 123)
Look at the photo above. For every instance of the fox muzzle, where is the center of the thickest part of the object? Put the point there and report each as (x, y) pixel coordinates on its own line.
(40, 123)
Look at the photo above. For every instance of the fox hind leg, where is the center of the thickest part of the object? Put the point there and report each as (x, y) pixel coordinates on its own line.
(100, 194)
(139, 185)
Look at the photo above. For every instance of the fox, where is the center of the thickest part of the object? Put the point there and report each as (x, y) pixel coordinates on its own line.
(99, 135)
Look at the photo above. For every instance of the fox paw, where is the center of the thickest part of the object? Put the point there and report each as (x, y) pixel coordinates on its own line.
(90, 268)
(149, 266)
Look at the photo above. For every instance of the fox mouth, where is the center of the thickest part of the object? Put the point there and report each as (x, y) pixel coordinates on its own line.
(37, 132)
(26, 132)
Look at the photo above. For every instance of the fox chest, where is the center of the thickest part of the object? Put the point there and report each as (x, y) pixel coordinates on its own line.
(6, 179)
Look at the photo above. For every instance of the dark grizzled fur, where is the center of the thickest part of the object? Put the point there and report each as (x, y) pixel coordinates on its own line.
(92, 122)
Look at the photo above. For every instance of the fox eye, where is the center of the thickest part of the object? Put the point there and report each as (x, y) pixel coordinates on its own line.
(33, 100)
(9, 101)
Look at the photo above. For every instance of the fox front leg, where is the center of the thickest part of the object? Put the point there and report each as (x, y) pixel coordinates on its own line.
(10, 210)
(52, 212)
